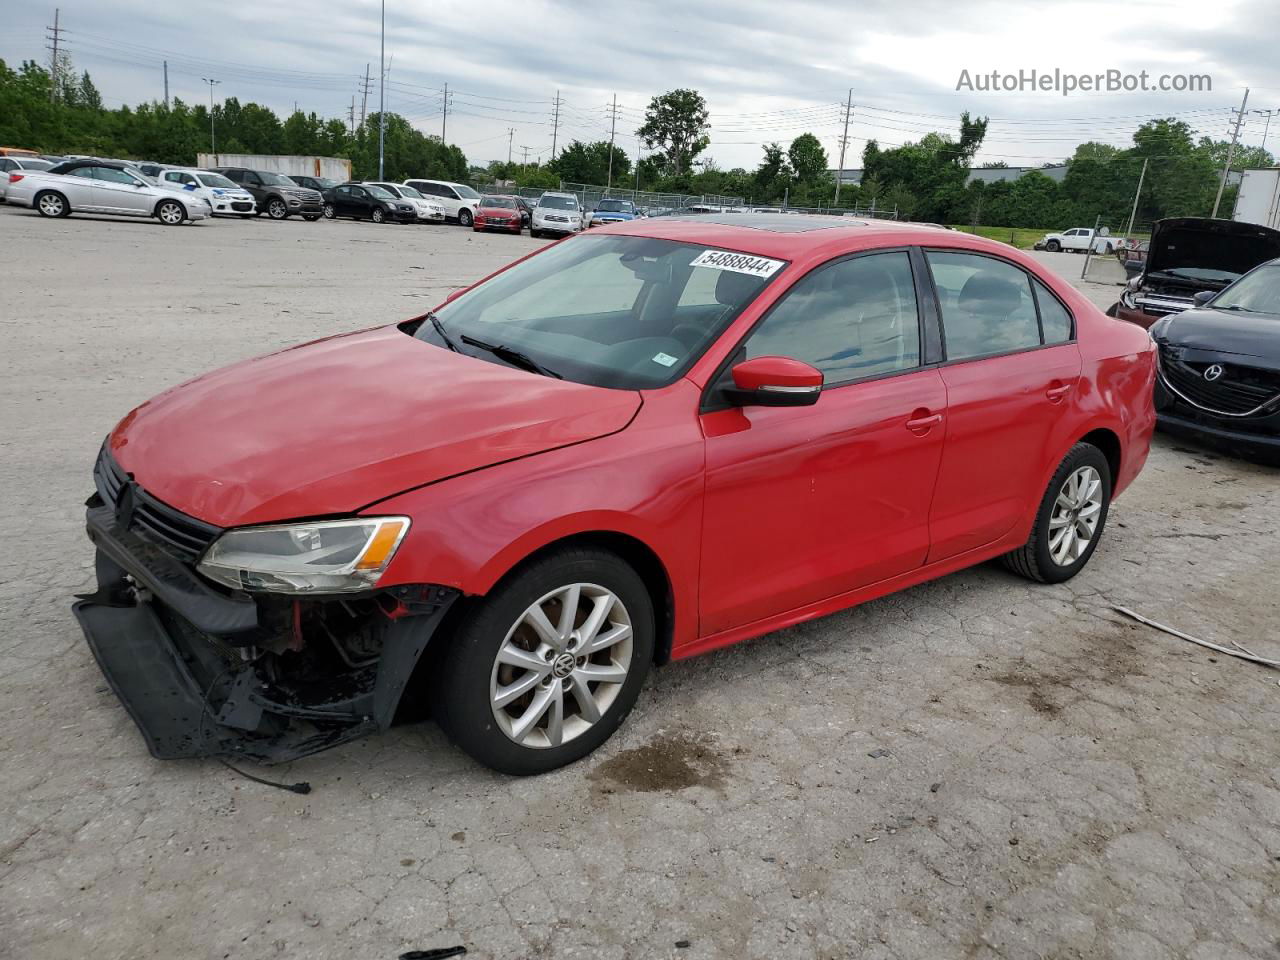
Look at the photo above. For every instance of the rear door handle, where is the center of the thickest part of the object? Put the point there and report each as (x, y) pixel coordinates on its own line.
(1055, 394)
(924, 423)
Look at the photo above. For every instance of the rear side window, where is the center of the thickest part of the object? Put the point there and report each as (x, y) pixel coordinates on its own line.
(851, 319)
(1055, 321)
(987, 305)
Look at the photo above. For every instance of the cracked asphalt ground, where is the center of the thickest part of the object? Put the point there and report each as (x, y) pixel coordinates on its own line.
(976, 768)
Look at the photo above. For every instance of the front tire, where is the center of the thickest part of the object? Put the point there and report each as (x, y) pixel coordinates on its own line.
(170, 212)
(546, 667)
(464, 217)
(51, 204)
(276, 209)
(534, 234)
(1053, 246)
(378, 216)
(1070, 520)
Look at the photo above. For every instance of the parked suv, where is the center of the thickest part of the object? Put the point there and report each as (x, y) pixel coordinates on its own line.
(459, 200)
(321, 185)
(556, 213)
(276, 195)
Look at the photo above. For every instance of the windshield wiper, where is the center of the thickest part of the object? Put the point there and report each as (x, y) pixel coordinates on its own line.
(435, 322)
(511, 356)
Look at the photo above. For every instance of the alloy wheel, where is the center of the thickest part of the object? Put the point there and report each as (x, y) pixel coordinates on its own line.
(378, 215)
(277, 210)
(561, 665)
(329, 211)
(52, 205)
(1074, 520)
(170, 213)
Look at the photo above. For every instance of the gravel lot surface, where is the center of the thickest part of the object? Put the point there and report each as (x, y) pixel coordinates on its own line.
(976, 768)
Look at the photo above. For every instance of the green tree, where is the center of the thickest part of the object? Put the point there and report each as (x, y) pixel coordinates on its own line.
(589, 163)
(808, 159)
(676, 123)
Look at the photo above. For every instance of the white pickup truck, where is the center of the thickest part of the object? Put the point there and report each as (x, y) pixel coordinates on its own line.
(1077, 240)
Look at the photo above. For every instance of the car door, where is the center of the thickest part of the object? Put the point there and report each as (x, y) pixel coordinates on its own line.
(118, 191)
(77, 184)
(361, 203)
(804, 503)
(341, 201)
(1011, 371)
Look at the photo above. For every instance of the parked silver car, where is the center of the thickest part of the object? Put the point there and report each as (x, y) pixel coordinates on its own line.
(18, 163)
(102, 186)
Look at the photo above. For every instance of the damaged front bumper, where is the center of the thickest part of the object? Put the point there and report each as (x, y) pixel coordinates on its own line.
(205, 672)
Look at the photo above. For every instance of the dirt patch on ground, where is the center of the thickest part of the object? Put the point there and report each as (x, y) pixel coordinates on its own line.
(671, 762)
(1039, 689)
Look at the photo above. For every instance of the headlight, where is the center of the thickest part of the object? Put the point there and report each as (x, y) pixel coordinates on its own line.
(331, 556)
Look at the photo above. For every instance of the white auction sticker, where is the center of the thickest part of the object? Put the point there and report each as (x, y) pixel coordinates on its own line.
(737, 263)
(665, 359)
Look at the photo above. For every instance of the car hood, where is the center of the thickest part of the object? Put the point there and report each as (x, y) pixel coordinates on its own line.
(1210, 245)
(612, 215)
(1226, 332)
(331, 426)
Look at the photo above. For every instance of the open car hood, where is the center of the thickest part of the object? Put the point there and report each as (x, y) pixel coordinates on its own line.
(1196, 242)
(331, 426)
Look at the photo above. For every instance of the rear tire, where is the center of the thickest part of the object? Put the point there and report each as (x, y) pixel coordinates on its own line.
(52, 204)
(518, 737)
(1074, 505)
(464, 217)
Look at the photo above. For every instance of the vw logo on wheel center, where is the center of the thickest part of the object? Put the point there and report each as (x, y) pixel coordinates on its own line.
(1213, 372)
(563, 666)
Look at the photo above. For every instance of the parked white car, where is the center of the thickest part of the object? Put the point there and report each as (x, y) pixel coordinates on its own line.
(430, 210)
(102, 186)
(459, 200)
(556, 213)
(1077, 240)
(225, 197)
(8, 164)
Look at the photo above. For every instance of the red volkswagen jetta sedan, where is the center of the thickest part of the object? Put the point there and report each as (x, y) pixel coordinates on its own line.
(630, 447)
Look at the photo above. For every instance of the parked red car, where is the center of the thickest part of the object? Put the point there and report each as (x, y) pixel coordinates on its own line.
(498, 213)
(627, 448)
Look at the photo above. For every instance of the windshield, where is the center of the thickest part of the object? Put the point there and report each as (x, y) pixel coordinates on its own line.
(380, 192)
(409, 192)
(614, 206)
(558, 203)
(215, 180)
(506, 203)
(26, 164)
(1256, 292)
(623, 312)
(275, 179)
(466, 192)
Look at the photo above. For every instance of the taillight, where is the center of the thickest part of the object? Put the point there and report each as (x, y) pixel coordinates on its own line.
(15, 177)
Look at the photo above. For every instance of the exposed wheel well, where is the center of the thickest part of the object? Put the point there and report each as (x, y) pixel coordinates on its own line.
(1109, 444)
(645, 562)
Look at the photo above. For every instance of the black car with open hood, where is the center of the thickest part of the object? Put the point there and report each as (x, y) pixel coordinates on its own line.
(1219, 366)
(1191, 255)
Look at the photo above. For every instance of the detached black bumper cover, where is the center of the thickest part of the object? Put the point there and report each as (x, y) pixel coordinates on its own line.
(185, 661)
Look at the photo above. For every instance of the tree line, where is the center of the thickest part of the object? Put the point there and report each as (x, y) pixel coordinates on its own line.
(927, 180)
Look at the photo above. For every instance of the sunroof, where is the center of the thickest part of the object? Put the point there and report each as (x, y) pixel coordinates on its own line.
(773, 222)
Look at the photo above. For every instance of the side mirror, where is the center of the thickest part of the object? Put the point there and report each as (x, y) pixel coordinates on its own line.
(774, 382)
(1204, 296)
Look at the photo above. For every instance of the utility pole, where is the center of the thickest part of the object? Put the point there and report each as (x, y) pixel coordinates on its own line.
(351, 116)
(613, 123)
(637, 166)
(55, 67)
(526, 155)
(213, 147)
(511, 132)
(382, 91)
(555, 126)
(166, 84)
(1266, 127)
(844, 143)
(1231, 152)
(1128, 232)
(444, 118)
(364, 100)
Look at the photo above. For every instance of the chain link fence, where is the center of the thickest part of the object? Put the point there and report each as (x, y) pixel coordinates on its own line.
(648, 201)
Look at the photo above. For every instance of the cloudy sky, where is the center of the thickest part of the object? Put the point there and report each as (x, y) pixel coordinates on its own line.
(769, 71)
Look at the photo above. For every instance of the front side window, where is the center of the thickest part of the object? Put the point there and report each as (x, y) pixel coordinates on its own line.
(88, 173)
(112, 175)
(605, 310)
(465, 192)
(987, 306)
(275, 179)
(851, 319)
(342, 193)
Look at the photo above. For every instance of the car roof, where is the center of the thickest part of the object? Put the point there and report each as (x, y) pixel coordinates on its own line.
(789, 236)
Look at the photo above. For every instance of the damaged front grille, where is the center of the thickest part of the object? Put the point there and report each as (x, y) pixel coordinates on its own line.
(1235, 390)
(184, 536)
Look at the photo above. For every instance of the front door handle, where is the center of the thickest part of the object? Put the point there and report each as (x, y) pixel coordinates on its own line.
(922, 420)
(1057, 391)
